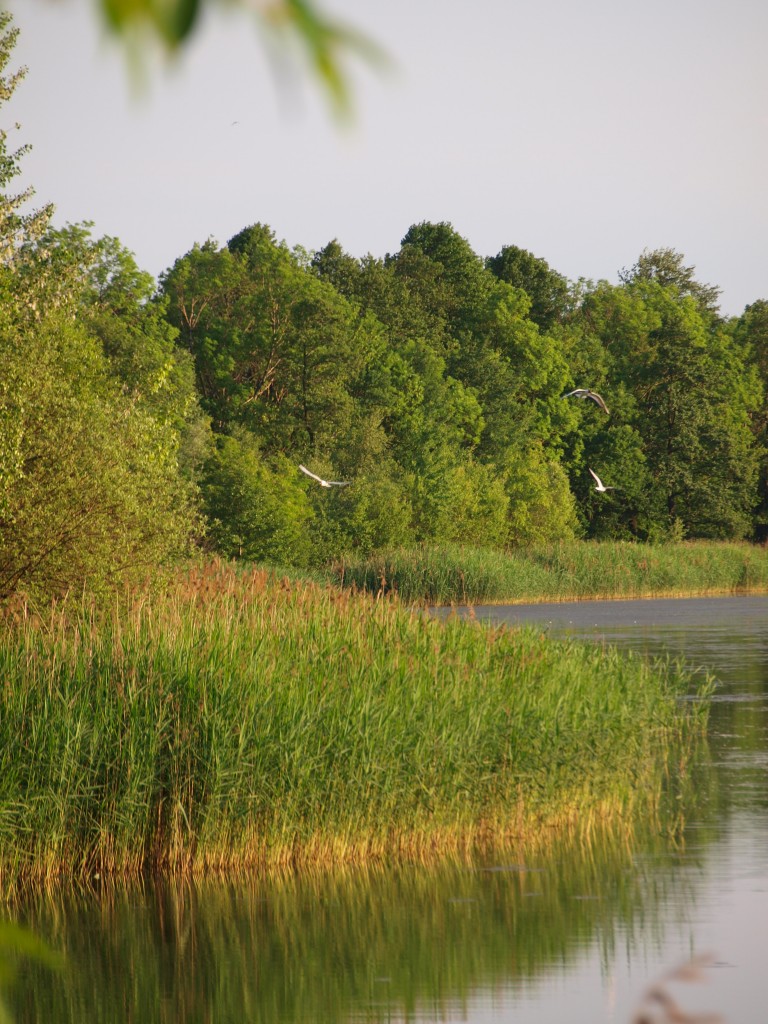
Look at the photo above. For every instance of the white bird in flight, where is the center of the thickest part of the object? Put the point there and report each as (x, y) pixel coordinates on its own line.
(324, 483)
(587, 393)
(599, 485)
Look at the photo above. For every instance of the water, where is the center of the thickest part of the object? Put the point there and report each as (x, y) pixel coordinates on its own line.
(722, 869)
(575, 935)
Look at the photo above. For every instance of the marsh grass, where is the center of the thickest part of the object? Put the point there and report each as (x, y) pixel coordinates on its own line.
(454, 574)
(244, 721)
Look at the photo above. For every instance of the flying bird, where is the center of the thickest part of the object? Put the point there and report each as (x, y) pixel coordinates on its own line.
(324, 483)
(587, 393)
(599, 485)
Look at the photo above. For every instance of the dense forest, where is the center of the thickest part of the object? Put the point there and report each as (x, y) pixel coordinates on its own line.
(141, 420)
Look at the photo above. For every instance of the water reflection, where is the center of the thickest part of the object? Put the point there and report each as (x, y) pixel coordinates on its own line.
(726, 830)
(572, 929)
(365, 944)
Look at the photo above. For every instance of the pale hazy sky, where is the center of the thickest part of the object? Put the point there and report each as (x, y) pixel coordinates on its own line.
(582, 131)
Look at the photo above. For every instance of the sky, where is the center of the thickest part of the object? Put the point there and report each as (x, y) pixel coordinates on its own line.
(583, 132)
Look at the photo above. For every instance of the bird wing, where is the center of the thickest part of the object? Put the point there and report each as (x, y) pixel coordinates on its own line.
(579, 392)
(596, 398)
(314, 477)
(339, 483)
(597, 478)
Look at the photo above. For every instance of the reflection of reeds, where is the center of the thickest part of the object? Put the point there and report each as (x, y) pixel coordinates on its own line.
(559, 572)
(659, 1005)
(310, 946)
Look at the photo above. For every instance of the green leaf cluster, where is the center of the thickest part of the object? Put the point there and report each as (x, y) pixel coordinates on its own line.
(290, 28)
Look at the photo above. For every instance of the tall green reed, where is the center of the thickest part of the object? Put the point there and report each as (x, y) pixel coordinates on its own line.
(247, 720)
(569, 571)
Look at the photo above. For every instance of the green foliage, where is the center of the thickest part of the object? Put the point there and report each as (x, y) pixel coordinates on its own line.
(688, 395)
(16, 226)
(665, 266)
(375, 512)
(433, 361)
(542, 508)
(89, 493)
(99, 282)
(547, 290)
(274, 347)
(93, 405)
(750, 336)
(255, 511)
(323, 40)
(459, 501)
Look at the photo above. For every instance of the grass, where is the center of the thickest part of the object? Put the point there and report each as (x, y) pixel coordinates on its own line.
(245, 720)
(561, 572)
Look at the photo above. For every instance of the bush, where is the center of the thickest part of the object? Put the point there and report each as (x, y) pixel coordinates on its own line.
(90, 493)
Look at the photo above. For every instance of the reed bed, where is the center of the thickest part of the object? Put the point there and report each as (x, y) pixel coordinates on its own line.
(243, 721)
(455, 574)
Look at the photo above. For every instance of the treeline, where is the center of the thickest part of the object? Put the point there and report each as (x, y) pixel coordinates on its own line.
(139, 420)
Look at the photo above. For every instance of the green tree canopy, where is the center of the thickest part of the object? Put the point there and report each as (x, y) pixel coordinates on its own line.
(547, 290)
(90, 494)
(665, 266)
(689, 395)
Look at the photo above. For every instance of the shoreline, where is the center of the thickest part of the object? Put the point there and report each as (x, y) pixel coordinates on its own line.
(577, 571)
(661, 595)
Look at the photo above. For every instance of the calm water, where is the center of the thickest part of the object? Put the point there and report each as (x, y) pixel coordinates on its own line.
(574, 936)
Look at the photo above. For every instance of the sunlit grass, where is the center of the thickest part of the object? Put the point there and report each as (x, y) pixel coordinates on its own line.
(244, 719)
(573, 571)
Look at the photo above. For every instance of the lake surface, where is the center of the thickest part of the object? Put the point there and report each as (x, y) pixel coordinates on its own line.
(574, 935)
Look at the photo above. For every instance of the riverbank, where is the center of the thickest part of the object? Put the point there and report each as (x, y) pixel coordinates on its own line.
(581, 570)
(245, 721)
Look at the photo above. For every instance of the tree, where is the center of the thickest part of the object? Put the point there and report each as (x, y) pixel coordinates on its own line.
(750, 333)
(459, 282)
(255, 511)
(491, 346)
(541, 504)
(99, 282)
(276, 349)
(15, 227)
(665, 266)
(337, 267)
(547, 290)
(90, 492)
(617, 453)
(468, 386)
(375, 512)
(689, 395)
